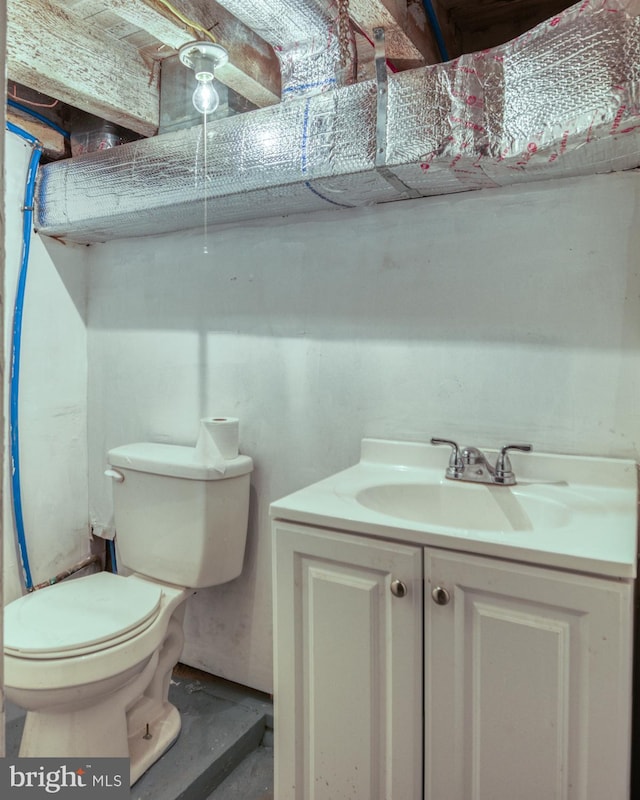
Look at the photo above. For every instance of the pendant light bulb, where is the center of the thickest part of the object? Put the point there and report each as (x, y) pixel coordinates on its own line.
(205, 98)
(203, 58)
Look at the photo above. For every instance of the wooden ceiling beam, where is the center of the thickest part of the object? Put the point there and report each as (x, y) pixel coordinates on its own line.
(253, 70)
(409, 41)
(56, 53)
(52, 142)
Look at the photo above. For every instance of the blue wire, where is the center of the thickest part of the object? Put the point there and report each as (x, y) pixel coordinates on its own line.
(37, 115)
(14, 386)
(437, 30)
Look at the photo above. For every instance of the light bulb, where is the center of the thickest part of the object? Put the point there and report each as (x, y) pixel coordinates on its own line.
(205, 98)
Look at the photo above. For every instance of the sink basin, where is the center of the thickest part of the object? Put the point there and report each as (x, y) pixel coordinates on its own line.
(568, 512)
(465, 506)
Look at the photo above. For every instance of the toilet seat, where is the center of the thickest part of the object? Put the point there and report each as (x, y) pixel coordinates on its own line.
(79, 617)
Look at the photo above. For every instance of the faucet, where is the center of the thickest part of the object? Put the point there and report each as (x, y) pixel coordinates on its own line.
(470, 464)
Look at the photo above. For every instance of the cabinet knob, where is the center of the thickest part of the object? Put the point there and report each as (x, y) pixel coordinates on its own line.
(440, 596)
(398, 588)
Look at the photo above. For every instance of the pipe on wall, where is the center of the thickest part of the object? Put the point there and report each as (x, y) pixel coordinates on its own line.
(16, 349)
(67, 573)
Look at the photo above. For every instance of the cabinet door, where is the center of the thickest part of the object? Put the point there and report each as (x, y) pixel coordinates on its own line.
(527, 682)
(348, 667)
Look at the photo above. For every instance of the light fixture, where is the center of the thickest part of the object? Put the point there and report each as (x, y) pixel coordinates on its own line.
(203, 58)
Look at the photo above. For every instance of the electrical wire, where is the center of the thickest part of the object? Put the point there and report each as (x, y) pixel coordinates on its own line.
(189, 22)
(16, 343)
(14, 96)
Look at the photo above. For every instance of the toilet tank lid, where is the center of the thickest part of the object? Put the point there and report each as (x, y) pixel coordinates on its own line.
(176, 461)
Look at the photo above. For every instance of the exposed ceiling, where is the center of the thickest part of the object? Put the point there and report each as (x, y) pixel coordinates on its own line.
(103, 56)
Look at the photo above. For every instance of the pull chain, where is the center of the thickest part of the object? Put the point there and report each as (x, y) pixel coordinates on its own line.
(205, 249)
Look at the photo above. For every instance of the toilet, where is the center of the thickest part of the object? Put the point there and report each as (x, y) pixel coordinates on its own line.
(90, 658)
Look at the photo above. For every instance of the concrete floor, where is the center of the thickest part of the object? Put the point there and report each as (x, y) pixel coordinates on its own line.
(224, 751)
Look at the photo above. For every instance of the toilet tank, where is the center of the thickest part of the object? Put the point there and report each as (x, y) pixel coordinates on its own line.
(177, 520)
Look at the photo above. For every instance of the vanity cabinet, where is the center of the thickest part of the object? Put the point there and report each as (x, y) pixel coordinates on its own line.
(526, 671)
(348, 666)
(528, 681)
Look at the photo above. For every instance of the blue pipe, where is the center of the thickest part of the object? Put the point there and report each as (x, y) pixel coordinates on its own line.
(24, 134)
(437, 30)
(37, 115)
(16, 340)
(112, 553)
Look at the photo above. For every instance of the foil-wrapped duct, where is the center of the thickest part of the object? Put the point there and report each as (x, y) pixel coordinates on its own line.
(561, 100)
(315, 51)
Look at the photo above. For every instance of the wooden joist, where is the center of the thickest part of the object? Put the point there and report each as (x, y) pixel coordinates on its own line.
(408, 39)
(253, 70)
(52, 142)
(54, 52)
(102, 56)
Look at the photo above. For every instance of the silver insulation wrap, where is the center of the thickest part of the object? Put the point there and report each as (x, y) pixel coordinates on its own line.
(306, 39)
(561, 100)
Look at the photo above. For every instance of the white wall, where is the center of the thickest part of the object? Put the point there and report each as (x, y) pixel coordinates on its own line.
(53, 381)
(490, 317)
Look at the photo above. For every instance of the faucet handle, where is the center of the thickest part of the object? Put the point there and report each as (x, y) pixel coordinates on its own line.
(503, 471)
(455, 461)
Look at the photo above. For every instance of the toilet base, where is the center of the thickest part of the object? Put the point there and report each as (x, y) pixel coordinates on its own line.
(97, 728)
(86, 732)
(141, 735)
(153, 738)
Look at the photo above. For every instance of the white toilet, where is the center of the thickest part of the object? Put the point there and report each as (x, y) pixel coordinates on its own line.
(91, 658)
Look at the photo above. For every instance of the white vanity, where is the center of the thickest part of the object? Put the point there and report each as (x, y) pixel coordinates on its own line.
(447, 640)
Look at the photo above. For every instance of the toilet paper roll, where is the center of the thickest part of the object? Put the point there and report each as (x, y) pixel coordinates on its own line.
(217, 440)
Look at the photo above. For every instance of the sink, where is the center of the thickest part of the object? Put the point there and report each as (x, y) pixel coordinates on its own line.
(465, 506)
(565, 511)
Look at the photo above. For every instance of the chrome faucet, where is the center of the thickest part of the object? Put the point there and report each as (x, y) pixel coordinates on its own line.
(470, 464)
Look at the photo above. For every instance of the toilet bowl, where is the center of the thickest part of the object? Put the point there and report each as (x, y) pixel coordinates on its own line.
(90, 659)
